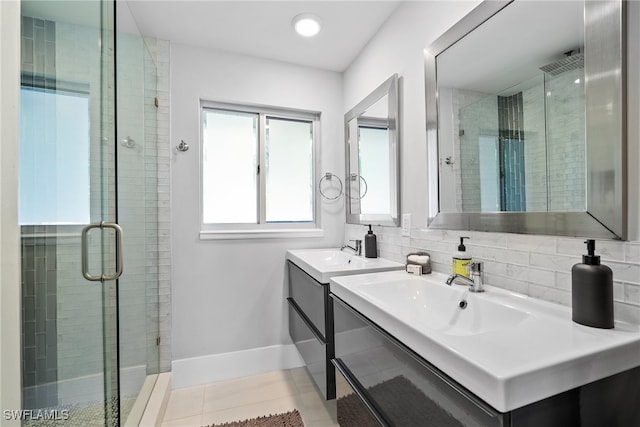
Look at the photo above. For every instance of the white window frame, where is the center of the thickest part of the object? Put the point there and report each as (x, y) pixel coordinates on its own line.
(263, 229)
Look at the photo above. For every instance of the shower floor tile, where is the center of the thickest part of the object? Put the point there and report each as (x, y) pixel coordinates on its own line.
(86, 415)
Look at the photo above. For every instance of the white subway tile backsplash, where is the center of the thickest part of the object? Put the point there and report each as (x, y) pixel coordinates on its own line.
(606, 249)
(531, 243)
(532, 275)
(496, 268)
(552, 261)
(563, 281)
(632, 253)
(427, 234)
(626, 312)
(501, 255)
(625, 272)
(550, 294)
(574, 247)
(495, 240)
(609, 250)
(538, 266)
(433, 245)
(632, 294)
(618, 291)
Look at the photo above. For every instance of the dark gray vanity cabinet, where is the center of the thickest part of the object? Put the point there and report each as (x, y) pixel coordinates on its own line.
(380, 381)
(311, 327)
(397, 387)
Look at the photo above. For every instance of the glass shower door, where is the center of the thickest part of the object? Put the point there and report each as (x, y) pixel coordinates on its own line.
(67, 182)
(137, 157)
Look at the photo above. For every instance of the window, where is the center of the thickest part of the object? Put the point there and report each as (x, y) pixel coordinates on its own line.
(257, 169)
(374, 159)
(54, 157)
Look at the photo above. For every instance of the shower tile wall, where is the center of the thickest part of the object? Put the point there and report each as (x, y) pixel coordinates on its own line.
(478, 117)
(554, 156)
(39, 295)
(137, 212)
(143, 178)
(535, 148)
(160, 53)
(539, 266)
(39, 281)
(511, 152)
(566, 135)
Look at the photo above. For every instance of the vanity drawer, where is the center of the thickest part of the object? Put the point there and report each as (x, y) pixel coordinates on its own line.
(353, 409)
(313, 350)
(310, 296)
(403, 389)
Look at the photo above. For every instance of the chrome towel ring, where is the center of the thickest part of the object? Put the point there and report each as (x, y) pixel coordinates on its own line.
(352, 177)
(328, 176)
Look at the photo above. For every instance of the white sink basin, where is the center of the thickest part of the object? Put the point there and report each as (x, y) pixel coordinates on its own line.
(322, 264)
(509, 349)
(447, 309)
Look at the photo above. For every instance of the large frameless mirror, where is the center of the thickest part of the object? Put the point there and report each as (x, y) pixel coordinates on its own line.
(525, 120)
(372, 158)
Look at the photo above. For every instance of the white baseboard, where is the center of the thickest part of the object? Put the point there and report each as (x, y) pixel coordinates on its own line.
(218, 367)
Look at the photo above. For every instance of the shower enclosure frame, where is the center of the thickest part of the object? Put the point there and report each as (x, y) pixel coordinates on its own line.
(103, 256)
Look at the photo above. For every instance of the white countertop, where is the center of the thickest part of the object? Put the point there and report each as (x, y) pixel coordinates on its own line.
(508, 349)
(322, 264)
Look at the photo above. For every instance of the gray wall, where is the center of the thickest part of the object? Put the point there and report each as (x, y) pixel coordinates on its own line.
(228, 295)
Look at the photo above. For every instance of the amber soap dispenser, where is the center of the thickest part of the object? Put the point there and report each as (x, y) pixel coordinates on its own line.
(592, 291)
(461, 260)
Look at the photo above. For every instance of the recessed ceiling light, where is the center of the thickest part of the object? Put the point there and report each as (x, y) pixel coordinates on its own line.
(306, 24)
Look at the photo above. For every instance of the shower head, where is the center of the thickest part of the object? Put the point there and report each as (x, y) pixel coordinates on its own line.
(572, 61)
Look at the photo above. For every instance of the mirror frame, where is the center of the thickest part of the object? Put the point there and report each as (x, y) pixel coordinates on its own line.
(605, 115)
(389, 88)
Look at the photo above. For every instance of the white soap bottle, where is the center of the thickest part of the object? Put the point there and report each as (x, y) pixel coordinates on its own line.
(461, 260)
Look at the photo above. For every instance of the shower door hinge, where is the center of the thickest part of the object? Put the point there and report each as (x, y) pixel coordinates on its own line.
(157, 340)
(156, 102)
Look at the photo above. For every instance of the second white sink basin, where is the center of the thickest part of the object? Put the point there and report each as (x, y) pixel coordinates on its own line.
(322, 264)
(447, 309)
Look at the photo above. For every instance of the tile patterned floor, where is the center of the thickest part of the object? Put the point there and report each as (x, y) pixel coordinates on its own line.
(86, 415)
(249, 397)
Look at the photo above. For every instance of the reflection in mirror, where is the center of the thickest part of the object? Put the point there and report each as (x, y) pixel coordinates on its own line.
(517, 132)
(372, 158)
(522, 98)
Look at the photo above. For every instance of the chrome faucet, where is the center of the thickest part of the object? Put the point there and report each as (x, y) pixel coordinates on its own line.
(476, 283)
(357, 250)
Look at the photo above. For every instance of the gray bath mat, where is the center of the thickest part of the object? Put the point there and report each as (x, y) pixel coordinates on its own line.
(288, 419)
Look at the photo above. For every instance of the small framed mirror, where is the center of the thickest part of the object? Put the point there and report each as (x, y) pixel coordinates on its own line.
(526, 120)
(372, 144)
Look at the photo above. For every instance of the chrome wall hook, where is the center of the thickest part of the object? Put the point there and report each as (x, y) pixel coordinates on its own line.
(183, 146)
(128, 142)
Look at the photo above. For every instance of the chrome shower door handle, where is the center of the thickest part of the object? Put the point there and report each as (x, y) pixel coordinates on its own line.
(119, 248)
(85, 252)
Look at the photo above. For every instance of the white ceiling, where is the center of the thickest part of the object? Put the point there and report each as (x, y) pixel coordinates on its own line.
(263, 28)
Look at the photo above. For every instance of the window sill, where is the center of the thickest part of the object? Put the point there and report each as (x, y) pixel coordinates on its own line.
(261, 234)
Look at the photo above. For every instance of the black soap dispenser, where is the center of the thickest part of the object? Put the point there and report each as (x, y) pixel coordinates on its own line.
(592, 291)
(370, 244)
